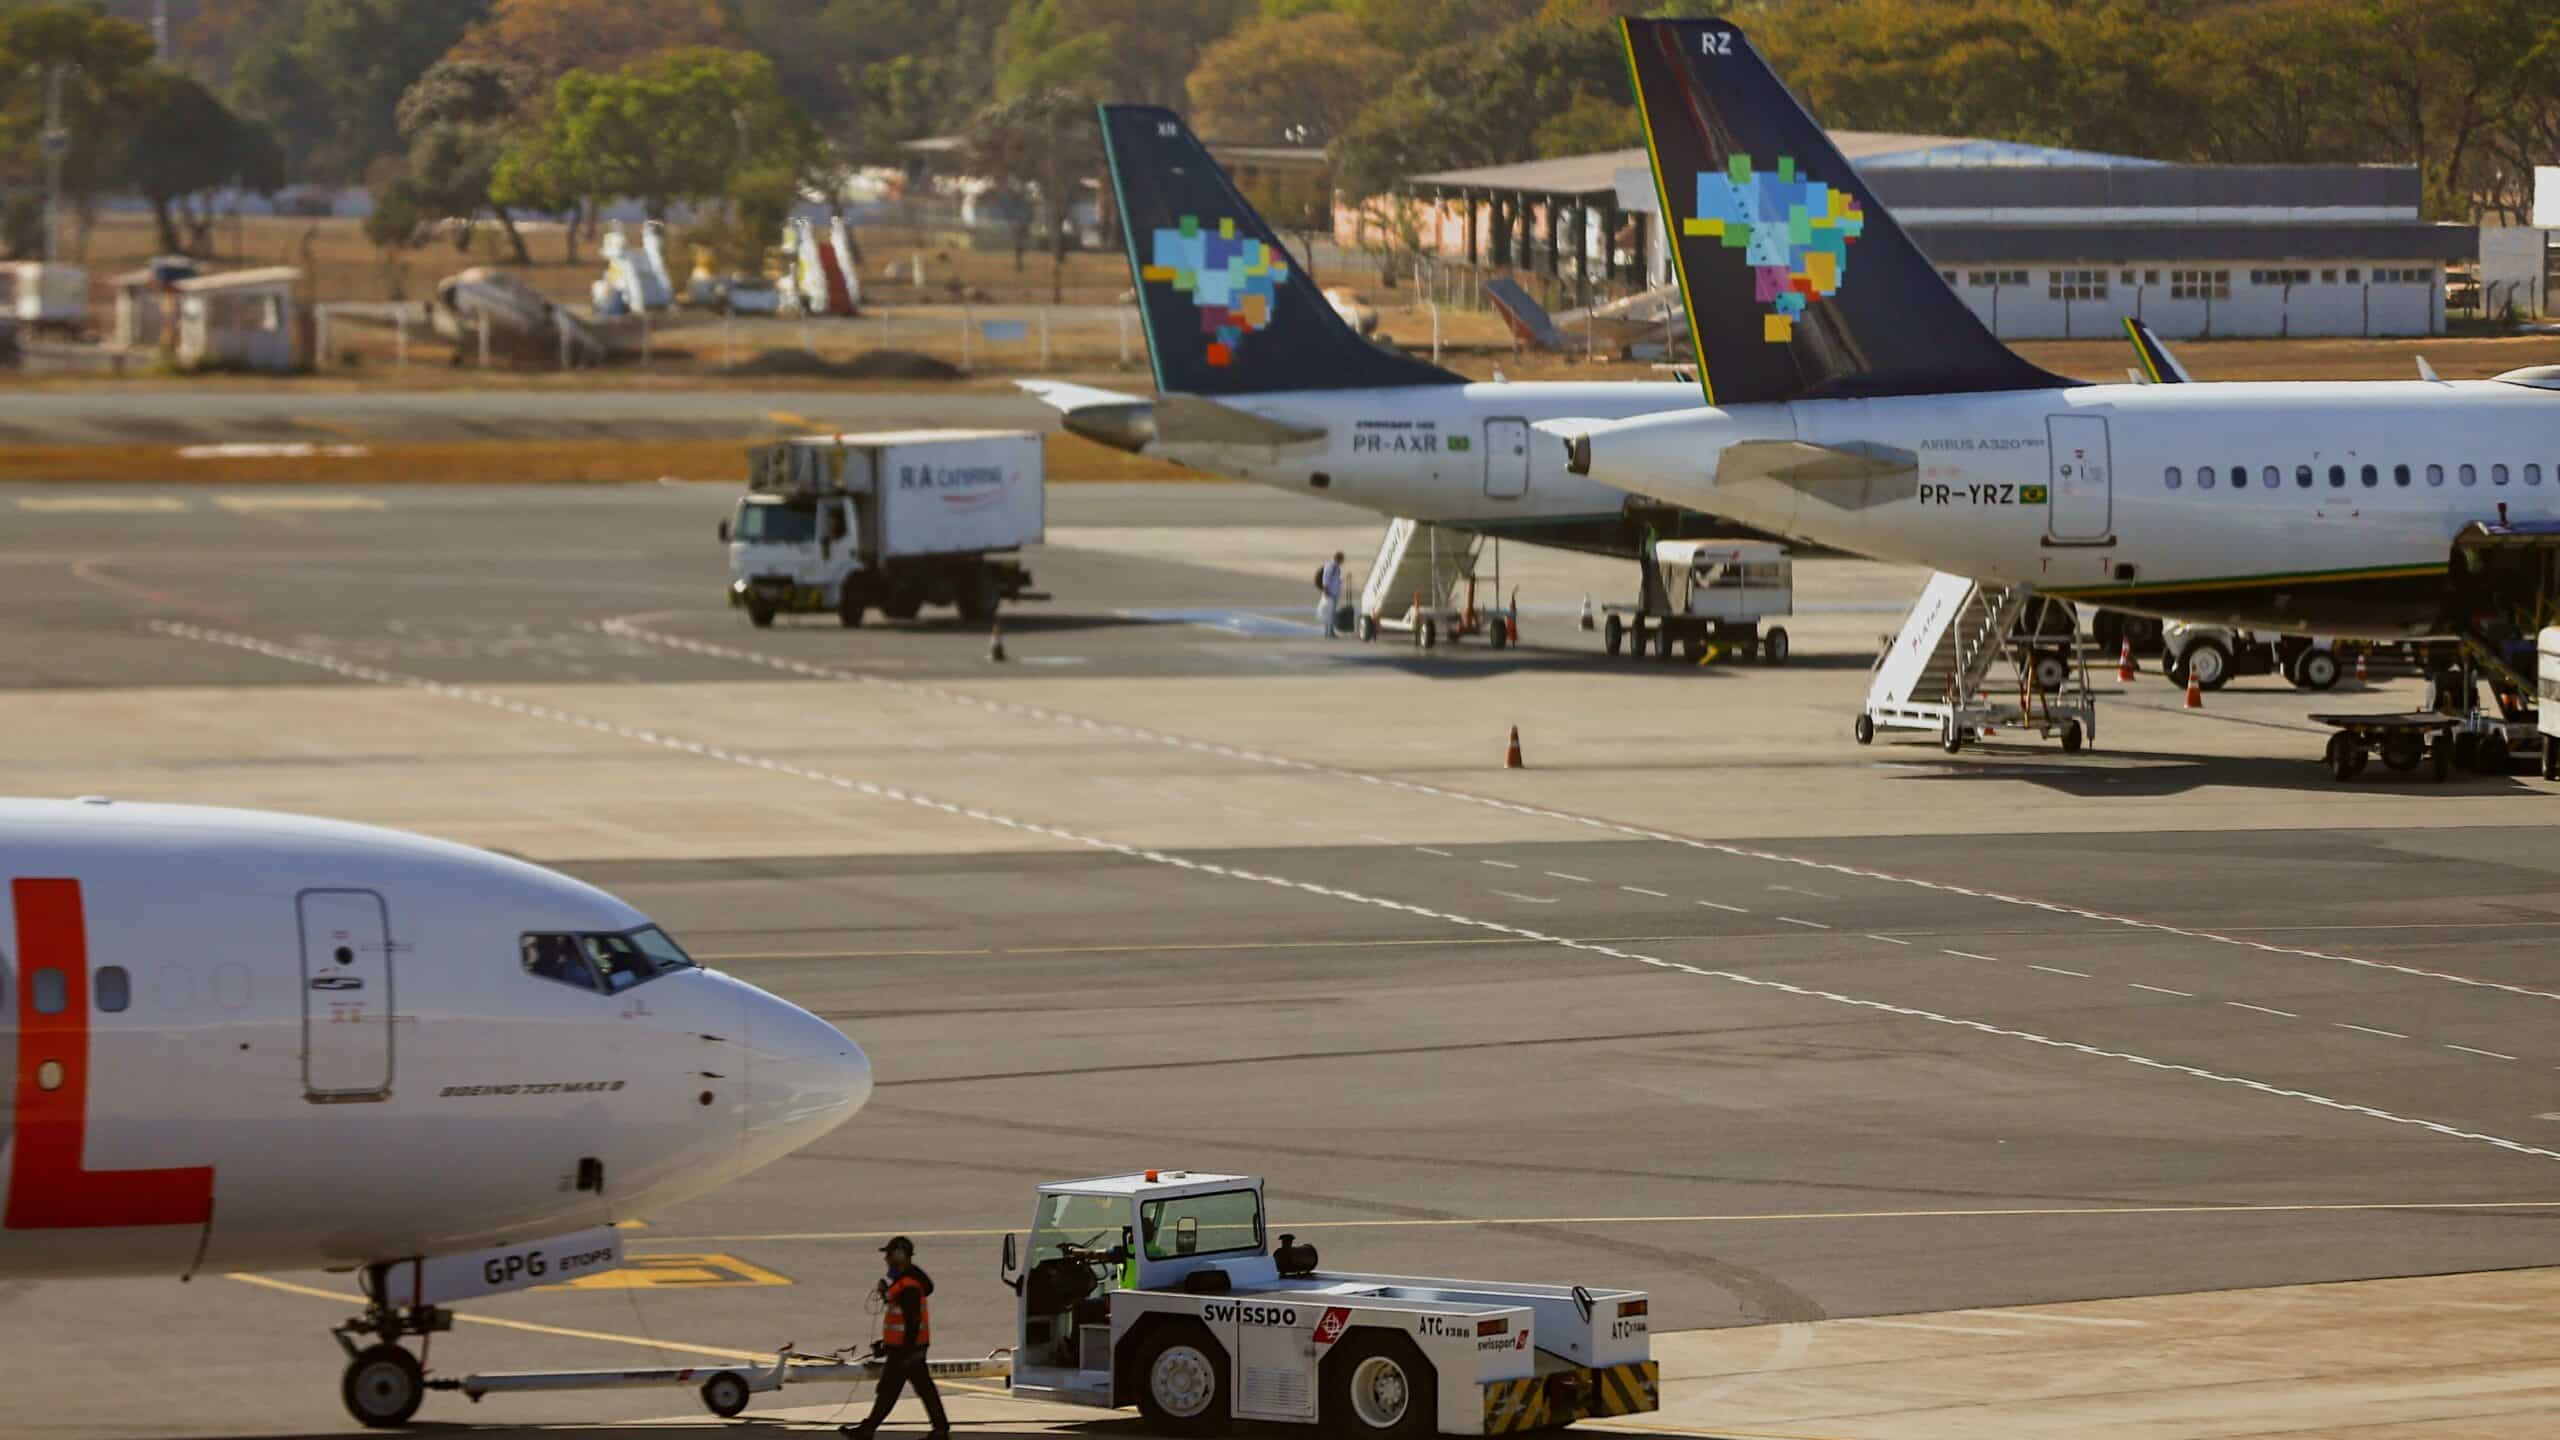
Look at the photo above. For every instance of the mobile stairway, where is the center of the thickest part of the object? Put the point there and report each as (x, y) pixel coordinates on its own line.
(1423, 583)
(1938, 671)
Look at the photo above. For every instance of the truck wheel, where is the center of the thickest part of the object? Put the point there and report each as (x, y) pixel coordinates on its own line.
(725, 1395)
(2403, 749)
(383, 1387)
(1181, 1376)
(2209, 661)
(2072, 739)
(1497, 633)
(1663, 643)
(1369, 627)
(849, 610)
(902, 604)
(1773, 645)
(975, 593)
(1613, 635)
(760, 616)
(2051, 672)
(2493, 755)
(2316, 669)
(1379, 1386)
(1950, 735)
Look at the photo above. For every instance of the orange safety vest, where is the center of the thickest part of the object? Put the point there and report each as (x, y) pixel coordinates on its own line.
(893, 1321)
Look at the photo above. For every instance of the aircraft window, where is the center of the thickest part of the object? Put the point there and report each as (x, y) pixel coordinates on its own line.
(2370, 476)
(628, 959)
(2400, 476)
(113, 988)
(2204, 477)
(2435, 474)
(2272, 476)
(2172, 477)
(2239, 477)
(2470, 475)
(2533, 474)
(2497, 474)
(53, 992)
(2337, 477)
(557, 957)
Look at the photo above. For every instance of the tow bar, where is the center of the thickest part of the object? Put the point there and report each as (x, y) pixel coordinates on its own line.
(725, 1388)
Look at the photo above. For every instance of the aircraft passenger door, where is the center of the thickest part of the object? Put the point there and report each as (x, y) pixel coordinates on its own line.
(2080, 479)
(1506, 459)
(347, 1003)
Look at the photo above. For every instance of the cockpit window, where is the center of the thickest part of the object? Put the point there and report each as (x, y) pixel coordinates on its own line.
(607, 961)
(557, 957)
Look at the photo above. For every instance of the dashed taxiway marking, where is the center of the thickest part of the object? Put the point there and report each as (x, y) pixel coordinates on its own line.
(1499, 864)
(1640, 890)
(1576, 879)
(1728, 909)
(2369, 1030)
(321, 660)
(2471, 1050)
(1929, 1325)
(1427, 850)
(1889, 940)
(2162, 990)
(102, 504)
(1526, 899)
(1969, 955)
(2261, 1009)
(2043, 1318)
(2058, 970)
(1808, 924)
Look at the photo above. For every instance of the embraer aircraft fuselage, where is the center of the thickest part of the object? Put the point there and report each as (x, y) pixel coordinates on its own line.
(2324, 506)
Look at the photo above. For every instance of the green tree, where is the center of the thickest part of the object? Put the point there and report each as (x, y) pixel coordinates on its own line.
(1034, 146)
(1132, 50)
(185, 144)
(456, 119)
(1300, 82)
(98, 62)
(677, 127)
(329, 79)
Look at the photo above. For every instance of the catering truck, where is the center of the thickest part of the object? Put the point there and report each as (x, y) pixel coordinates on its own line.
(893, 521)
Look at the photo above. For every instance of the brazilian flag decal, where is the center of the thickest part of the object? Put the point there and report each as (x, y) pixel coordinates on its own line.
(1459, 442)
(2031, 495)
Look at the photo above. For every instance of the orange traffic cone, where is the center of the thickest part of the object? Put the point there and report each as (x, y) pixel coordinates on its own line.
(2124, 661)
(2195, 690)
(995, 642)
(1511, 758)
(2361, 676)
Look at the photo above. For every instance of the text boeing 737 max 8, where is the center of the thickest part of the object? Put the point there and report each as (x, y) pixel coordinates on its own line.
(1853, 400)
(1259, 378)
(245, 1040)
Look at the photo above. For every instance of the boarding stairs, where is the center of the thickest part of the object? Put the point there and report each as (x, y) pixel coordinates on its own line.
(1422, 580)
(1936, 674)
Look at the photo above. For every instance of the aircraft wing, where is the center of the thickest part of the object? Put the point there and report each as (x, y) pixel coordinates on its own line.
(1135, 422)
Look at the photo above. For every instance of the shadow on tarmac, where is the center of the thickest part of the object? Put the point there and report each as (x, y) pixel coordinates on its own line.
(2098, 773)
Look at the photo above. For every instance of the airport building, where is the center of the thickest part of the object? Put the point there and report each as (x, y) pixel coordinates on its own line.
(2042, 243)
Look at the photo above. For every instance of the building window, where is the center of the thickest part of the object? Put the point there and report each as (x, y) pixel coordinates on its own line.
(2124, 277)
(2329, 277)
(2354, 276)
(2075, 285)
(2435, 474)
(1983, 279)
(2400, 476)
(1947, 275)
(2170, 477)
(2279, 277)
(2199, 284)
(2470, 475)
(2150, 277)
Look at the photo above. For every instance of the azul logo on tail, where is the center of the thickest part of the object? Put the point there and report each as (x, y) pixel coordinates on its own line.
(1793, 232)
(1233, 280)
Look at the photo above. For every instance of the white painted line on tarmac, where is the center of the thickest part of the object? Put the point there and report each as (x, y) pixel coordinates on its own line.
(630, 631)
(2469, 1050)
(1640, 890)
(1499, 864)
(1728, 909)
(2058, 970)
(2261, 1009)
(2369, 1030)
(2162, 990)
(1969, 955)
(320, 660)
(1889, 940)
(102, 504)
(1800, 890)
(268, 504)
(1929, 1325)
(1576, 879)
(1808, 924)
(1427, 850)
(2037, 1315)
(1528, 899)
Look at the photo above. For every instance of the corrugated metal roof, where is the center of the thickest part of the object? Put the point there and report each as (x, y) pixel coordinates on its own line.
(1598, 173)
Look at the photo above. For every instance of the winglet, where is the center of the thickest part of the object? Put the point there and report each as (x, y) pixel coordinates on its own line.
(2159, 366)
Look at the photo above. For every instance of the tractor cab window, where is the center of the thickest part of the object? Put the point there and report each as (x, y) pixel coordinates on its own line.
(1213, 1224)
(1081, 1223)
(776, 522)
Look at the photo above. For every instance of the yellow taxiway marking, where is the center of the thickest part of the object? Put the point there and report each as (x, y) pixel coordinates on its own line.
(254, 504)
(676, 1270)
(792, 418)
(348, 1297)
(1496, 1222)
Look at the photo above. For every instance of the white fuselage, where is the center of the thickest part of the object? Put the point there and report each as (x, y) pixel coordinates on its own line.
(1461, 455)
(250, 1040)
(2101, 493)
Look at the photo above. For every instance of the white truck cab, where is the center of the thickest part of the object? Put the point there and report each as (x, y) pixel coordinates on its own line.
(1161, 1289)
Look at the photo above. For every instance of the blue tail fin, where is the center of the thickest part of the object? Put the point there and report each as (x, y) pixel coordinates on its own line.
(1228, 310)
(1797, 282)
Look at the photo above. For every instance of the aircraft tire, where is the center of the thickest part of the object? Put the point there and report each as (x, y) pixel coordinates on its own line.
(1612, 635)
(383, 1387)
(1864, 729)
(760, 616)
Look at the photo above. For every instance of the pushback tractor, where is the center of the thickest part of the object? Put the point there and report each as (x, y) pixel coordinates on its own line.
(1163, 1291)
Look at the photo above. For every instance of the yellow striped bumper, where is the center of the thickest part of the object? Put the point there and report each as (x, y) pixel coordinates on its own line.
(1513, 1407)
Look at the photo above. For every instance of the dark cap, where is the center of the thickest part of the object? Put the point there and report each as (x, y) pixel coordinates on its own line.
(899, 1242)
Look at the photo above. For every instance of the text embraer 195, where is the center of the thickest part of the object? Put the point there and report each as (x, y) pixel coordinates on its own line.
(254, 1041)
(1854, 400)
(1258, 377)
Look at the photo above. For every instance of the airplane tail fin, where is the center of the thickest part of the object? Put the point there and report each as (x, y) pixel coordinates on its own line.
(1798, 283)
(1228, 310)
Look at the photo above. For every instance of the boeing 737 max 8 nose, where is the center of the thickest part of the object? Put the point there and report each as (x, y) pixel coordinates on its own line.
(805, 1077)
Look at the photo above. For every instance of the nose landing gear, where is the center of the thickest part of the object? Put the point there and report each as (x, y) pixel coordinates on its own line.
(384, 1384)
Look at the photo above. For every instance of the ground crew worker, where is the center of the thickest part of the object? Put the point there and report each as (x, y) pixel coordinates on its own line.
(1329, 596)
(906, 1329)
